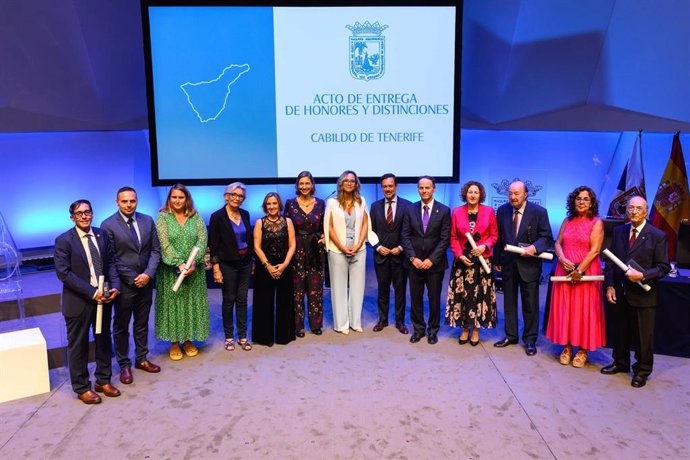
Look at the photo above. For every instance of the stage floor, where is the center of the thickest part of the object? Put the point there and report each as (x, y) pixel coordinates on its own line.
(366, 395)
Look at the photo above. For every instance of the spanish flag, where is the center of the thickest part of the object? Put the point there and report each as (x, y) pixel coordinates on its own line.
(672, 200)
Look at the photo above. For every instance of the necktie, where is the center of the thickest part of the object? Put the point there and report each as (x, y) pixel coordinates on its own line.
(95, 256)
(516, 217)
(425, 218)
(633, 237)
(133, 231)
(389, 214)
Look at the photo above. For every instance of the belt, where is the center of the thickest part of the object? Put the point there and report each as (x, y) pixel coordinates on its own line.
(243, 252)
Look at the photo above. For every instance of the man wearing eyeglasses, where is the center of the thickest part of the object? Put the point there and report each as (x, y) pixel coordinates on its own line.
(82, 255)
(134, 239)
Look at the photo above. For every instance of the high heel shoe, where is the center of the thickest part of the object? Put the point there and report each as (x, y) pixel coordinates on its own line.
(474, 343)
(462, 341)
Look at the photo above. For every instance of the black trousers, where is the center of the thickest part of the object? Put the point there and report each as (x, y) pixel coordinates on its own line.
(391, 273)
(132, 302)
(78, 347)
(634, 326)
(433, 280)
(529, 297)
(273, 313)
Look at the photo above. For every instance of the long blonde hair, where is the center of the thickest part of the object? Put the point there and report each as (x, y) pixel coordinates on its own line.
(189, 209)
(355, 193)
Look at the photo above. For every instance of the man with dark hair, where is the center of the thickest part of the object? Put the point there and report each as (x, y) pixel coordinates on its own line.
(525, 224)
(83, 255)
(134, 239)
(645, 249)
(387, 221)
(425, 238)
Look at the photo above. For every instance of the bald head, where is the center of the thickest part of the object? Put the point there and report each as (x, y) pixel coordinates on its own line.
(517, 194)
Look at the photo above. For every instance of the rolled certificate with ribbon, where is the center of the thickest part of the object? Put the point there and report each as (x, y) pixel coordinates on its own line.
(185, 269)
(624, 267)
(482, 260)
(519, 250)
(583, 278)
(99, 307)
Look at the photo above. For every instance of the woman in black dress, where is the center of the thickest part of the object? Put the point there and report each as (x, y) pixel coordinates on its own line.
(306, 212)
(274, 245)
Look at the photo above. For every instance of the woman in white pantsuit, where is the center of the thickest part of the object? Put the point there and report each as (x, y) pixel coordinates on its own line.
(346, 227)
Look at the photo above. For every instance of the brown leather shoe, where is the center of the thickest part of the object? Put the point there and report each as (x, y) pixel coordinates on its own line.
(126, 375)
(379, 326)
(402, 328)
(89, 397)
(108, 390)
(148, 366)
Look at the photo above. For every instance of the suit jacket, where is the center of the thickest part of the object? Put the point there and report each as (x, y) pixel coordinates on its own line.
(534, 229)
(431, 244)
(485, 226)
(72, 268)
(389, 236)
(132, 259)
(221, 237)
(650, 251)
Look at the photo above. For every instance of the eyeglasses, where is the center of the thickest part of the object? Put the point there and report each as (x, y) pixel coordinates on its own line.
(237, 196)
(583, 199)
(80, 214)
(349, 181)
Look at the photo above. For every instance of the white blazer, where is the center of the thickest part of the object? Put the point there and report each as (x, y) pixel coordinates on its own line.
(335, 212)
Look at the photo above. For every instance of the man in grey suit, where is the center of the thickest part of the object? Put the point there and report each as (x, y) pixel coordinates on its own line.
(387, 221)
(644, 248)
(134, 239)
(525, 224)
(425, 238)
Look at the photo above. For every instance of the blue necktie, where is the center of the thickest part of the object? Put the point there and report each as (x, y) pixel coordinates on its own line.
(95, 256)
(133, 231)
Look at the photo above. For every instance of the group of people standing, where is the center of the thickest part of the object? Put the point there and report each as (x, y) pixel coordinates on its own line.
(284, 253)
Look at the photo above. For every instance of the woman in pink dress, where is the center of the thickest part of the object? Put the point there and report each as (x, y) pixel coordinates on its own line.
(577, 313)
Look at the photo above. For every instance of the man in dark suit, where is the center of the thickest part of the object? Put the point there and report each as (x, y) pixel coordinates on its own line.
(525, 224)
(425, 238)
(134, 239)
(82, 255)
(644, 248)
(387, 221)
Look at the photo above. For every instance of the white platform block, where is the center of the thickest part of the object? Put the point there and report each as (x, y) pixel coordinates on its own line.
(23, 364)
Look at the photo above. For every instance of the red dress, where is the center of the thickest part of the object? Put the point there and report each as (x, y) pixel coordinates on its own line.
(577, 312)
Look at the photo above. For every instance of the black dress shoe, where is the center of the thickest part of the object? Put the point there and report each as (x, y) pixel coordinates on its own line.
(638, 381)
(432, 339)
(415, 337)
(505, 342)
(316, 331)
(379, 326)
(613, 369)
(402, 328)
(300, 334)
(531, 349)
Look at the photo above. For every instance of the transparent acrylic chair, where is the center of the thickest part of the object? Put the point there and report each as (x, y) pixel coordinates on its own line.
(10, 276)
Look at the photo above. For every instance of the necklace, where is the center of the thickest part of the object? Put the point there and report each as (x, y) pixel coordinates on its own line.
(273, 220)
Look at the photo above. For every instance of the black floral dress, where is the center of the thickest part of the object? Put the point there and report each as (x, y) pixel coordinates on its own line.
(307, 272)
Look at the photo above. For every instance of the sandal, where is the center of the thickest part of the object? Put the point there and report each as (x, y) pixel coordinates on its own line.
(175, 352)
(190, 349)
(566, 354)
(244, 344)
(229, 344)
(580, 358)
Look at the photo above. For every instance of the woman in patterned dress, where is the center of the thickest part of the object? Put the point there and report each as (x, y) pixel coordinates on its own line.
(577, 315)
(181, 316)
(471, 301)
(274, 244)
(306, 212)
(231, 245)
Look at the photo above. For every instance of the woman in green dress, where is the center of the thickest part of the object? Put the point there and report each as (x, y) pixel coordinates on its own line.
(181, 316)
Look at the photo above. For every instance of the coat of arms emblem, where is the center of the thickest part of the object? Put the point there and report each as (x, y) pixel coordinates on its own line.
(367, 50)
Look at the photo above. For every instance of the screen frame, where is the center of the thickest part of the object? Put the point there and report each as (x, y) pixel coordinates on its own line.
(153, 141)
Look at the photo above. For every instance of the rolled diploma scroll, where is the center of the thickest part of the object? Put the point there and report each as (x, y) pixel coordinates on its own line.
(99, 306)
(482, 260)
(584, 278)
(624, 267)
(187, 266)
(519, 250)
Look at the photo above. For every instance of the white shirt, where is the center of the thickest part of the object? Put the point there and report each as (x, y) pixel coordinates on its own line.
(85, 243)
(134, 222)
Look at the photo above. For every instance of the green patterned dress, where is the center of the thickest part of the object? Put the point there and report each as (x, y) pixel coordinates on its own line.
(181, 315)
